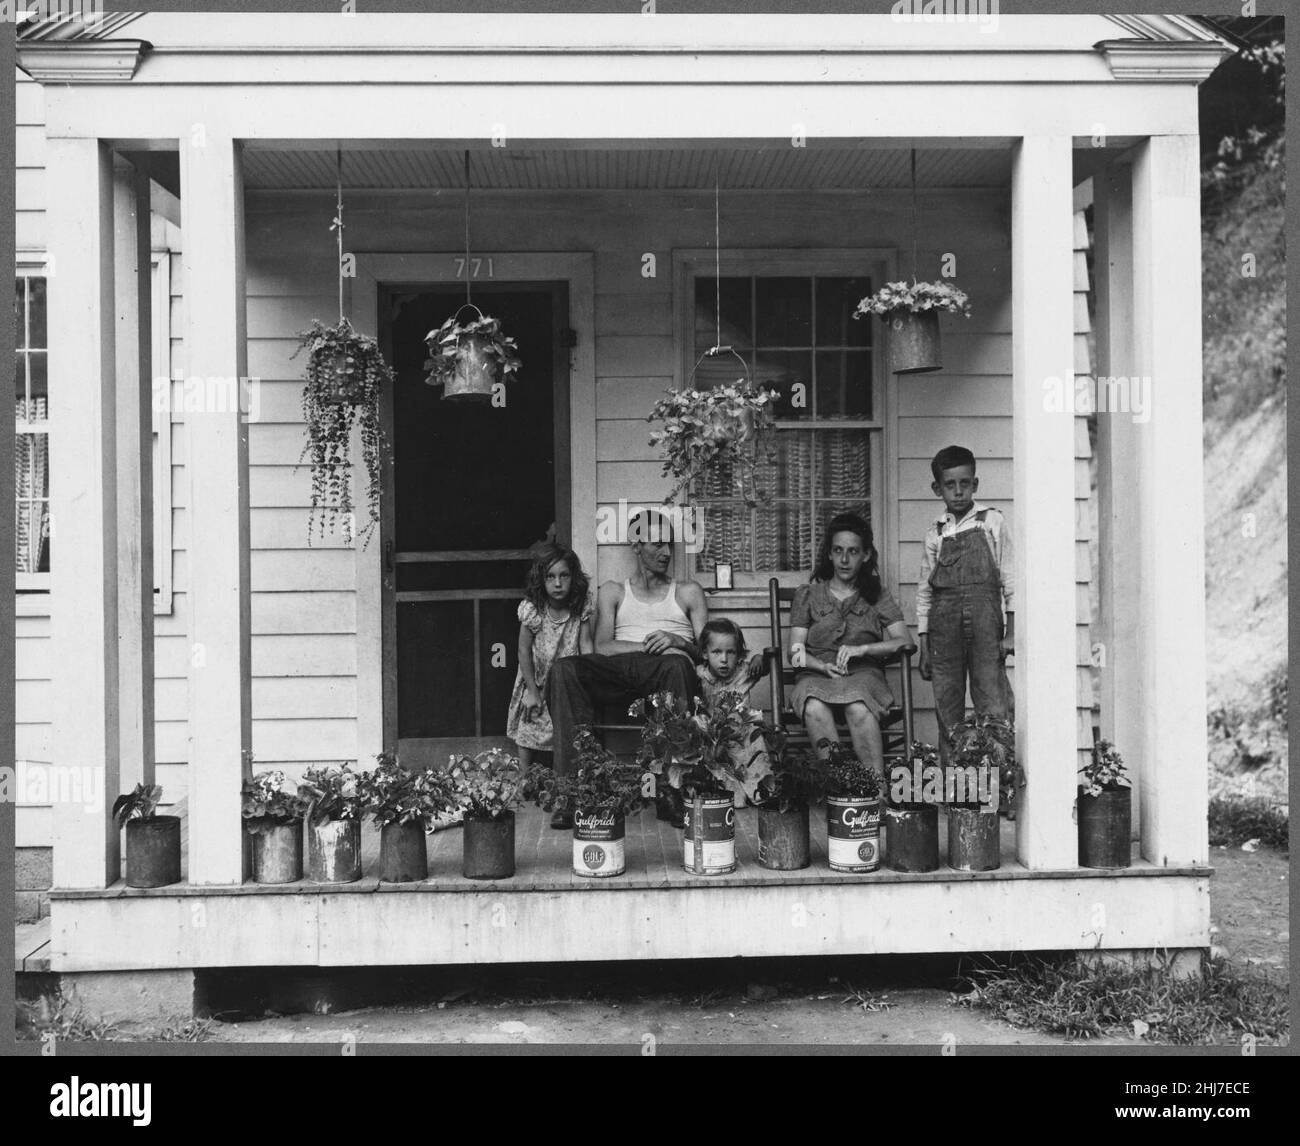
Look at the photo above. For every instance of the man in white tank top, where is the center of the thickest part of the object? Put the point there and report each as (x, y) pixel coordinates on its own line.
(647, 628)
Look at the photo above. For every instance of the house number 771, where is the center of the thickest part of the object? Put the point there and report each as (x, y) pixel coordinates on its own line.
(476, 268)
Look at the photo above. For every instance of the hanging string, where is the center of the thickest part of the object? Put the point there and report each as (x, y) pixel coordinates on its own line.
(338, 220)
(914, 216)
(467, 302)
(717, 260)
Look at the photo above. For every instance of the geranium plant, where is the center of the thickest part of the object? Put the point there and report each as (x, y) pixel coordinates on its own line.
(982, 740)
(342, 364)
(1105, 772)
(139, 804)
(486, 786)
(599, 780)
(330, 792)
(700, 749)
(847, 777)
(445, 346)
(391, 794)
(725, 430)
(915, 298)
(270, 800)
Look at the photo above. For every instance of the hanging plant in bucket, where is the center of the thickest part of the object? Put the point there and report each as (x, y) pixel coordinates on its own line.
(911, 312)
(469, 357)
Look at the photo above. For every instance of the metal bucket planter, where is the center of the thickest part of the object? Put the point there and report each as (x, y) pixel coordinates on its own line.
(709, 838)
(598, 837)
(912, 837)
(783, 838)
(914, 342)
(668, 805)
(153, 851)
(475, 373)
(277, 853)
(334, 851)
(853, 834)
(489, 848)
(974, 838)
(403, 856)
(1105, 829)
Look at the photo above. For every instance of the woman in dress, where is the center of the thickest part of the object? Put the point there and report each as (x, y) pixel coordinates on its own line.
(842, 628)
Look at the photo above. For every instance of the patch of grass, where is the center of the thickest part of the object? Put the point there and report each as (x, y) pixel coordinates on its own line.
(66, 1021)
(1078, 1001)
(1234, 820)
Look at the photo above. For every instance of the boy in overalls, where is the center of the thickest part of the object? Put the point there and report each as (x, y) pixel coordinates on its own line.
(966, 580)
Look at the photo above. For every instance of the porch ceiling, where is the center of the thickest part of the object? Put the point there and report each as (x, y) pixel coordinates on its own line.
(783, 168)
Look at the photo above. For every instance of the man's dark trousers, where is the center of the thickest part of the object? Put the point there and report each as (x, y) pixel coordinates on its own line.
(578, 684)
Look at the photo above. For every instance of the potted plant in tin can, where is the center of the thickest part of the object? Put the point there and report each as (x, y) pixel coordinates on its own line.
(852, 810)
(486, 788)
(600, 793)
(911, 823)
(797, 781)
(911, 312)
(981, 745)
(153, 842)
(403, 804)
(272, 812)
(331, 794)
(1105, 809)
(467, 359)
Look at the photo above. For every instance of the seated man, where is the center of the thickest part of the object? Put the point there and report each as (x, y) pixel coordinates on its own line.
(647, 629)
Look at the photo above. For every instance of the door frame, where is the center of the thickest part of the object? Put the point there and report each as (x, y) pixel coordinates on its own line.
(375, 581)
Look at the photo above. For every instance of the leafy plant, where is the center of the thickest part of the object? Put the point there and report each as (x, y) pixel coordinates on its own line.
(486, 786)
(599, 781)
(1106, 772)
(725, 430)
(340, 360)
(928, 756)
(330, 792)
(798, 776)
(269, 800)
(847, 777)
(701, 749)
(982, 740)
(391, 794)
(140, 804)
(915, 298)
(445, 347)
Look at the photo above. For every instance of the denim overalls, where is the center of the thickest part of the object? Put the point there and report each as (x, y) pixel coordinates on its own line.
(965, 628)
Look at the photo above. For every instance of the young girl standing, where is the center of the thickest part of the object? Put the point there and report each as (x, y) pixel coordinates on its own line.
(554, 621)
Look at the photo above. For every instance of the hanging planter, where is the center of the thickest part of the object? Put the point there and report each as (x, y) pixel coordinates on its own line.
(153, 842)
(468, 359)
(911, 315)
(272, 812)
(1105, 810)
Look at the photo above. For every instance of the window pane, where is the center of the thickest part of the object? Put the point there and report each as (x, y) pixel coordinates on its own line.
(783, 311)
(844, 384)
(782, 370)
(20, 386)
(725, 535)
(736, 316)
(36, 312)
(790, 473)
(843, 464)
(38, 406)
(783, 535)
(720, 370)
(32, 489)
(20, 301)
(837, 298)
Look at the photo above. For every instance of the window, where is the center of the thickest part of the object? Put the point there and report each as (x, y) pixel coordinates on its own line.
(32, 425)
(797, 335)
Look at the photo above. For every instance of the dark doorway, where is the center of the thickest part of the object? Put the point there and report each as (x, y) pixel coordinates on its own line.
(474, 487)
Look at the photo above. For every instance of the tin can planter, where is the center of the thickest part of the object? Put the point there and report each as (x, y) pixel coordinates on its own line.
(853, 834)
(912, 837)
(334, 851)
(914, 342)
(475, 373)
(489, 848)
(598, 837)
(668, 805)
(783, 838)
(277, 853)
(709, 836)
(1105, 829)
(153, 851)
(403, 856)
(974, 839)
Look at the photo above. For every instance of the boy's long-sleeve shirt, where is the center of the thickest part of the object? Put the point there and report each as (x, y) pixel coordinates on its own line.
(998, 533)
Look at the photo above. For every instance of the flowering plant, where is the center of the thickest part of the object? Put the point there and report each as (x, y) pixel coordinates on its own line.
(486, 786)
(599, 781)
(444, 346)
(984, 741)
(393, 795)
(703, 749)
(847, 777)
(1106, 772)
(726, 430)
(269, 800)
(915, 297)
(330, 792)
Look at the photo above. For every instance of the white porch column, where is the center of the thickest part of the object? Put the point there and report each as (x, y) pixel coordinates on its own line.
(134, 354)
(1042, 324)
(220, 721)
(1171, 543)
(83, 513)
(1119, 521)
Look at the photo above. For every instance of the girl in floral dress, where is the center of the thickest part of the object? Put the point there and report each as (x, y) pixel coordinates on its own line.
(554, 621)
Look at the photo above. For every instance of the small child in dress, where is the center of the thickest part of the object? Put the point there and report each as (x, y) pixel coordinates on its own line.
(555, 621)
(724, 669)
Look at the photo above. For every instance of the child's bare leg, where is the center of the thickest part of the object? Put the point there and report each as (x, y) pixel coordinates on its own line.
(864, 731)
(820, 722)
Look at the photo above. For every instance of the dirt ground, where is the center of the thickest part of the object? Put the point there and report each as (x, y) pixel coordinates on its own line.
(776, 1006)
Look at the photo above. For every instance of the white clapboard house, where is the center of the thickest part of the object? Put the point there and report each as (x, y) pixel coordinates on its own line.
(176, 181)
